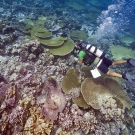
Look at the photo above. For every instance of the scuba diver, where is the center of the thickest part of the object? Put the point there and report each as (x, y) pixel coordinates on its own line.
(89, 54)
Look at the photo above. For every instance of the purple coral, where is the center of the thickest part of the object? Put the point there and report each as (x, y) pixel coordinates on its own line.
(3, 90)
(10, 101)
(55, 103)
(70, 119)
(17, 115)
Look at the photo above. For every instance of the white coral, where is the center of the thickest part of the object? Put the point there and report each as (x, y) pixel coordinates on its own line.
(110, 110)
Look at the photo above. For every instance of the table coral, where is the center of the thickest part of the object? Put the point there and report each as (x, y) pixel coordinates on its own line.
(91, 88)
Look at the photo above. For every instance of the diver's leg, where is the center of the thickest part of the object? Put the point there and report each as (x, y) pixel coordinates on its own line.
(130, 61)
(124, 76)
(114, 74)
(119, 62)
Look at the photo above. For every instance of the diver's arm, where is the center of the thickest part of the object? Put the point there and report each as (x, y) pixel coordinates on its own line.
(81, 61)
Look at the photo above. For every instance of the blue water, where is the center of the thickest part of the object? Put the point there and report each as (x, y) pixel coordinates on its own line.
(112, 17)
(119, 19)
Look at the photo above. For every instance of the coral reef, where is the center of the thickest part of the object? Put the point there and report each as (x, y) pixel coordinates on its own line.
(58, 46)
(35, 72)
(70, 118)
(32, 84)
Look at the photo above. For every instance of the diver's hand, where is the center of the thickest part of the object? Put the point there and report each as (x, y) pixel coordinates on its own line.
(76, 59)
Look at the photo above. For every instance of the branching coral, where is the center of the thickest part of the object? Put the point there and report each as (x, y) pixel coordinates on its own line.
(17, 115)
(72, 120)
(110, 110)
(3, 89)
(10, 96)
(63, 133)
(37, 124)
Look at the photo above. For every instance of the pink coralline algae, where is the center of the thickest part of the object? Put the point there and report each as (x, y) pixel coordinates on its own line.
(55, 103)
(3, 89)
(10, 96)
(10, 101)
(72, 119)
(17, 115)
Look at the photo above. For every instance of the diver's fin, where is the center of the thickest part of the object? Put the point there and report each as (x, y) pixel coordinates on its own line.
(131, 62)
(129, 79)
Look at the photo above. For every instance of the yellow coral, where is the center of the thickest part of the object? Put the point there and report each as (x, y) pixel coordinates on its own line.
(36, 124)
(11, 91)
(63, 133)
